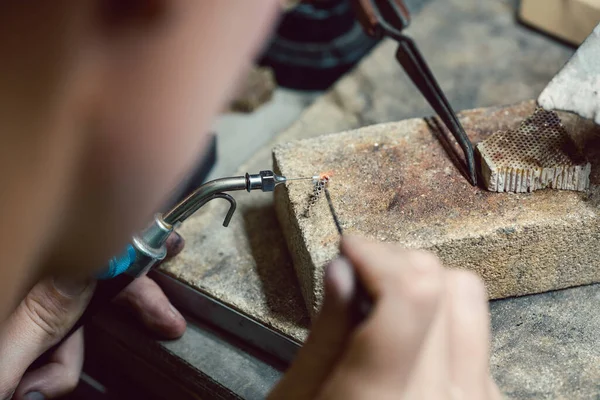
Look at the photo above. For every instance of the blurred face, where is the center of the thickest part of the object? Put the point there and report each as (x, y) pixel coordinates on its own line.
(104, 106)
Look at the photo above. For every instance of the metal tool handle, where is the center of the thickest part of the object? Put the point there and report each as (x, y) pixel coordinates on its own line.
(264, 180)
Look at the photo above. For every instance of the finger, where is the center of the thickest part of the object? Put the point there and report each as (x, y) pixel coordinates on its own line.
(406, 288)
(327, 339)
(385, 267)
(146, 300)
(58, 377)
(430, 377)
(174, 244)
(39, 322)
(469, 334)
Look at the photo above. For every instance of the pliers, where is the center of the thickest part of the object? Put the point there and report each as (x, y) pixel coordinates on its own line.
(389, 18)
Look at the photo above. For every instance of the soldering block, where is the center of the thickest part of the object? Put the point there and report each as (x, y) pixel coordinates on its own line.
(539, 154)
(400, 182)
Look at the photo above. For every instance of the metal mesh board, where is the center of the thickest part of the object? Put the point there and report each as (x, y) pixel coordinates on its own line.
(538, 154)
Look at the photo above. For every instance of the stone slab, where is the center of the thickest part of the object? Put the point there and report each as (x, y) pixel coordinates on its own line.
(546, 346)
(401, 182)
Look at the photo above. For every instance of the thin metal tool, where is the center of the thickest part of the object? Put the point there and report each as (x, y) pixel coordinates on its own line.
(265, 181)
(389, 18)
(336, 220)
(304, 178)
(362, 302)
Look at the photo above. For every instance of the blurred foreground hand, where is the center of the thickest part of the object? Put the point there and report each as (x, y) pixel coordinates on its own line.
(427, 336)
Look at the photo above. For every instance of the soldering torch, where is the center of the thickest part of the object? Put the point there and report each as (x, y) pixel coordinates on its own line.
(148, 248)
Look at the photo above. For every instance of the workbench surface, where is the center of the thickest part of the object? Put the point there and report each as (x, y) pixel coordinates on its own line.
(481, 57)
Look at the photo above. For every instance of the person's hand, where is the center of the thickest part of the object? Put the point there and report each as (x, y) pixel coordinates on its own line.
(427, 336)
(49, 311)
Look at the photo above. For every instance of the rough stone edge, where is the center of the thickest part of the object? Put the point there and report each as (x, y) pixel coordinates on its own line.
(297, 246)
(511, 274)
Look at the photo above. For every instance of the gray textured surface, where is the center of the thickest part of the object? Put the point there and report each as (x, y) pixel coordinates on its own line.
(577, 87)
(548, 346)
(201, 364)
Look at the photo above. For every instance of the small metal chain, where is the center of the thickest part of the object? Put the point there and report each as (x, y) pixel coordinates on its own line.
(318, 188)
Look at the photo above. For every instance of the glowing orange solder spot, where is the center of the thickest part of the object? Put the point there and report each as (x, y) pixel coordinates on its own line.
(325, 176)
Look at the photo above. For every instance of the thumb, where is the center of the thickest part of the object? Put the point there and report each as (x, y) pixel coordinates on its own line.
(46, 314)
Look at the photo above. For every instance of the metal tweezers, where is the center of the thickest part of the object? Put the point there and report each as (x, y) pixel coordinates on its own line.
(389, 18)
